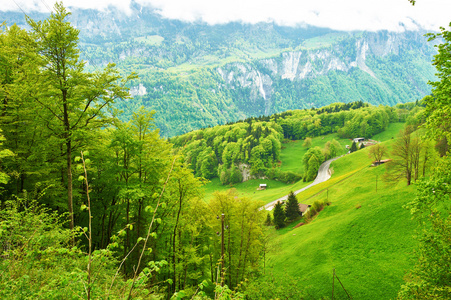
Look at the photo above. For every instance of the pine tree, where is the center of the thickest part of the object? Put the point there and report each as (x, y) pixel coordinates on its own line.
(279, 215)
(268, 221)
(353, 147)
(292, 207)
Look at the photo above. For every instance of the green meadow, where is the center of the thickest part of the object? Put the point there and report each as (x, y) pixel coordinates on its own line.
(365, 234)
(293, 151)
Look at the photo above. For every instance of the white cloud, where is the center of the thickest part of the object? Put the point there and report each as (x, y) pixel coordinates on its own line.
(340, 15)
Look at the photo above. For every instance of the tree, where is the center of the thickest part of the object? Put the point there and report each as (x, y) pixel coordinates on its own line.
(438, 107)
(332, 149)
(3, 153)
(279, 215)
(406, 157)
(312, 159)
(69, 101)
(353, 147)
(292, 207)
(268, 221)
(431, 276)
(377, 152)
(307, 142)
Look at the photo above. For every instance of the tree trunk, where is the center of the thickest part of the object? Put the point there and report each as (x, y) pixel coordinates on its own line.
(69, 183)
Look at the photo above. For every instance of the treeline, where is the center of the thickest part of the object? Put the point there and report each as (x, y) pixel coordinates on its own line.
(134, 223)
(365, 121)
(226, 150)
(252, 146)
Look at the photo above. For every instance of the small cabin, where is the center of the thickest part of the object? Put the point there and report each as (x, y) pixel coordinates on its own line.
(262, 186)
(304, 208)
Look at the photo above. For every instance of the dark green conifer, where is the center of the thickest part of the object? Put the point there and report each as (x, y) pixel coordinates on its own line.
(353, 147)
(268, 221)
(279, 215)
(292, 207)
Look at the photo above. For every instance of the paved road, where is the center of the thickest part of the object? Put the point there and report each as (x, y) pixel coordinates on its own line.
(323, 175)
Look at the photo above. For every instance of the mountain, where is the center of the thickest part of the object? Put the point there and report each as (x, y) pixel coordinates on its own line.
(195, 75)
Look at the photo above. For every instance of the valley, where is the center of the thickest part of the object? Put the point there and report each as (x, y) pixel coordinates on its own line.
(137, 153)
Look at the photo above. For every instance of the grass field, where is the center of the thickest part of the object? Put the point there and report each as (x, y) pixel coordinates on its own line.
(293, 151)
(391, 132)
(291, 160)
(275, 189)
(365, 236)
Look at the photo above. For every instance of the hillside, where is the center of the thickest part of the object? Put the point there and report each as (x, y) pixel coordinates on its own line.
(365, 236)
(195, 75)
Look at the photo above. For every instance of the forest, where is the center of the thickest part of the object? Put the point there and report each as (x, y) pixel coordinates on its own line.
(253, 145)
(96, 205)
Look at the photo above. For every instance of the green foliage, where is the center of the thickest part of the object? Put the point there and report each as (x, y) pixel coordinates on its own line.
(268, 221)
(279, 215)
(312, 161)
(243, 221)
(377, 152)
(39, 261)
(353, 147)
(292, 207)
(283, 176)
(411, 157)
(315, 208)
(354, 241)
(307, 142)
(431, 276)
(332, 149)
(276, 287)
(439, 106)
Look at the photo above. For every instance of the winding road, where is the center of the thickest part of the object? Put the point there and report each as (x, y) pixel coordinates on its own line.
(323, 175)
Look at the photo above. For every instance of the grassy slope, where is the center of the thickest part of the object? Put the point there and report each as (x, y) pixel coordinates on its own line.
(293, 151)
(366, 236)
(391, 132)
(291, 157)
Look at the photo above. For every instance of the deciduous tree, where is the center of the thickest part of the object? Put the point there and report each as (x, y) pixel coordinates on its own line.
(431, 276)
(377, 152)
(69, 101)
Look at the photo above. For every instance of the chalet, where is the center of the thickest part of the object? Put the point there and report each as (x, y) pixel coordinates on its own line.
(304, 208)
(262, 186)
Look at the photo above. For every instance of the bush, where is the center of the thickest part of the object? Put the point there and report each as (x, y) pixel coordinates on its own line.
(316, 207)
(285, 177)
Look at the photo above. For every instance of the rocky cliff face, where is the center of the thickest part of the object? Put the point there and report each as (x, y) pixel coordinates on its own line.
(344, 57)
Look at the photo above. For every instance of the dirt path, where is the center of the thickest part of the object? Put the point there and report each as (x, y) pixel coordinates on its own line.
(323, 175)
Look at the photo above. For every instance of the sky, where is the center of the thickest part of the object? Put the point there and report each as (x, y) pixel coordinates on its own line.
(394, 15)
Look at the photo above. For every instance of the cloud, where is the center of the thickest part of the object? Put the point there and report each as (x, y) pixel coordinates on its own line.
(395, 15)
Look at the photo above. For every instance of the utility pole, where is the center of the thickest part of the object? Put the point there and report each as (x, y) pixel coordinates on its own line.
(333, 284)
(222, 250)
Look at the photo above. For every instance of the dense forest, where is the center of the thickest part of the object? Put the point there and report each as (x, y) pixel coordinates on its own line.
(252, 146)
(99, 205)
